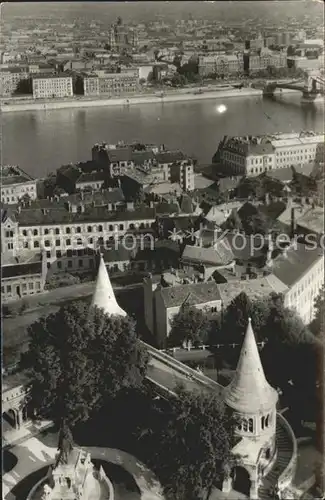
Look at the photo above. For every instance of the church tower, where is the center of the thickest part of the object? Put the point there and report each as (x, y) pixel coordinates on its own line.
(104, 296)
(253, 403)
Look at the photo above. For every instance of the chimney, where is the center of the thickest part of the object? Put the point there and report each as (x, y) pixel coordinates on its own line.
(270, 249)
(152, 205)
(293, 223)
(130, 205)
(267, 198)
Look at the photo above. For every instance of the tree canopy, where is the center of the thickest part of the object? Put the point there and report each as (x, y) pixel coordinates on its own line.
(78, 360)
(317, 326)
(189, 325)
(198, 430)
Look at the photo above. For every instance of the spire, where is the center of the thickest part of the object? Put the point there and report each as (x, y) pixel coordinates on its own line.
(249, 391)
(104, 297)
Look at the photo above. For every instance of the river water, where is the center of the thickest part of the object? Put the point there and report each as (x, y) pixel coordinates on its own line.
(41, 141)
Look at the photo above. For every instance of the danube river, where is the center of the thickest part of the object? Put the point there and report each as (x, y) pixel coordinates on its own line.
(41, 141)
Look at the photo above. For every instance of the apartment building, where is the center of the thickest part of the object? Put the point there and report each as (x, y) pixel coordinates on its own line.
(220, 64)
(10, 78)
(111, 84)
(67, 235)
(46, 86)
(263, 61)
(15, 184)
(22, 276)
(171, 166)
(164, 297)
(252, 155)
(301, 269)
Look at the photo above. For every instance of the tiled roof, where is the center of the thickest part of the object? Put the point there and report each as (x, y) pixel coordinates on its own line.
(249, 391)
(255, 289)
(200, 293)
(122, 154)
(15, 179)
(296, 263)
(98, 197)
(186, 204)
(140, 157)
(281, 174)
(313, 220)
(104, 297)
(11, 271)
(167, 208)
(219, 254)
(91, 177)
(170, 156)
(60, 216)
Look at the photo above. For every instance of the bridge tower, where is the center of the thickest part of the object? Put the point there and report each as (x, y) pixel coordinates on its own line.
(104, 296)
(253, 403)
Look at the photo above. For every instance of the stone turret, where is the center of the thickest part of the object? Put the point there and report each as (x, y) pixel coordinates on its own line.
(253, 403)
(104, 296)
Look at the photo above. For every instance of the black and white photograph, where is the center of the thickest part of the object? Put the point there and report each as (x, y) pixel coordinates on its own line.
(162, 250)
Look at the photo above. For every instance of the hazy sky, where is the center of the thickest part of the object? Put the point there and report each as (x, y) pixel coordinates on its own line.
(232, 10)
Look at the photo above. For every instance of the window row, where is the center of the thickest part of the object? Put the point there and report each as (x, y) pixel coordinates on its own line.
(90, 229)
(23, 287)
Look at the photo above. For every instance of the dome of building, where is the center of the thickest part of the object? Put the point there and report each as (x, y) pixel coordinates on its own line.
(104, 296)
(249, 391)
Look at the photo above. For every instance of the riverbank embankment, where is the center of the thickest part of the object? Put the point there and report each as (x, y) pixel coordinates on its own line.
(36, 105)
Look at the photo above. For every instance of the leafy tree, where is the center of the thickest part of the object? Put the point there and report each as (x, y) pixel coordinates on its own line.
(197, 428)
(236, 315)
(189, 325)
(317, 326)
(79, 359)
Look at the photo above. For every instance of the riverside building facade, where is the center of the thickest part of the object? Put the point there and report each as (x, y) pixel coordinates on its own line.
(252, 155)
(46, 86)
(15, 184)
(10, 78)
(111, 84)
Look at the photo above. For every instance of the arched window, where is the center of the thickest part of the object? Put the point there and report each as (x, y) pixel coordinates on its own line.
(267, 420)
(245, 425)
(262, 422)
(100, 228)
(78, 229)
(67, 230)
(250, 425)
(35, 232)
(46, 231)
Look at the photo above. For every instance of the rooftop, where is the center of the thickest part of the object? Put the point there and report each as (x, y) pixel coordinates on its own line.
(219, 254)
(298, 260)
(198, 293)
(104, 297)
(255, 289)
(56, 216)
(249, 391)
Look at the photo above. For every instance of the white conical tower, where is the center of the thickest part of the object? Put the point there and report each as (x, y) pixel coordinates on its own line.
(249, 391)
(104, 297)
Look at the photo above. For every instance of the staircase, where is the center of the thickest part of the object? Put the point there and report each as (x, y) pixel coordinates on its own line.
(285, 450)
